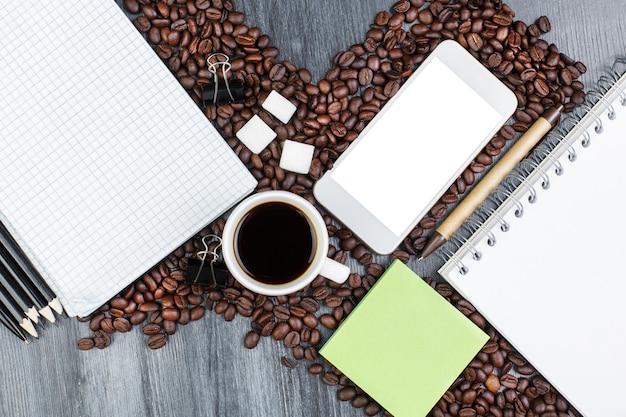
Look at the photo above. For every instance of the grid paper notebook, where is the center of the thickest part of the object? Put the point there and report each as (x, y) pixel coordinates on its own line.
(106, 164)
(554, 285)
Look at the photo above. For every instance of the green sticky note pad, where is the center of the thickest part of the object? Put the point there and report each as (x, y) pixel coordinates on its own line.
(404, 344)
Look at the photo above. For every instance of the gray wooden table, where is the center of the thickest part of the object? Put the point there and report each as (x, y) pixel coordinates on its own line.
(205, 370)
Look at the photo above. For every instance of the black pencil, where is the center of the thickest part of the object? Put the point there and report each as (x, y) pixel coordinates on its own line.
(18, 278)
(35, 277)
(21, 298)
(14, 311)
(10, 324)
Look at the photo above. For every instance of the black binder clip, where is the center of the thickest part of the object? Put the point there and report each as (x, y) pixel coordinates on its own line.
(225, 91)
(208, 270)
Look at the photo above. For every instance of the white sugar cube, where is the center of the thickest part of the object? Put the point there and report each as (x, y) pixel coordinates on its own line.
(256, 134)
(296, 157)
(279, 106)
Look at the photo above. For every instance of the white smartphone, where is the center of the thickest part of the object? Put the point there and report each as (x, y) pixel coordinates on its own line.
(416, 147)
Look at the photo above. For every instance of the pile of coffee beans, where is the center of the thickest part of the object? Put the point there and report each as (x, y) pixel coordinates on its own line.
(330, 114)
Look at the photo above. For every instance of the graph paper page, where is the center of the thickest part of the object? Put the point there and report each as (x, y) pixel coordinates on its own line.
(106, 164)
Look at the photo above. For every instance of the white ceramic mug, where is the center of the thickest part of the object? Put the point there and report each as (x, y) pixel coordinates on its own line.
(319, 263)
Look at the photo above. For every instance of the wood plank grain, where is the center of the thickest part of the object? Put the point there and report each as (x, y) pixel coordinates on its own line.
(204, 370)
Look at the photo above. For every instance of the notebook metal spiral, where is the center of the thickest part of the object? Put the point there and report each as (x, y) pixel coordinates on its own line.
(519, 187)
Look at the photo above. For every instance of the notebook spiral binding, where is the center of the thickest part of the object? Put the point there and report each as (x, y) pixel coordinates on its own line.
(536, 169)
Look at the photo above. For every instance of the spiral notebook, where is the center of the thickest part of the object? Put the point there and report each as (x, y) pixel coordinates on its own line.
(107, 164)
(554, 283)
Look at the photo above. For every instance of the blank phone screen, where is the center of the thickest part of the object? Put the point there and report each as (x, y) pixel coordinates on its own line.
(417, 146)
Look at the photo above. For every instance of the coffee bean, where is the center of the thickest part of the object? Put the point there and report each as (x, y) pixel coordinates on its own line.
(230, 312)
(295, 323)
(328, 321)
(148, 307)
(170, 284)
(281, 312)
(94, 322)
(544, 24)
(490, 347)
(467, 412)
(474, 41)
(321, 292)
(528, 75)
(119, 303)
(297, 311)
(106, 325)
(494, 60)
(347, 393)
(157, 341)
(251, 340)
(536, 53)
(316, 369)
(142, 24)
(151, 329)
(526, 369)
(197, 313)
(508, 381)
(297, 352)
(169, 327)
(315, 338)
(469, 374)
(542, 386)
(101, 339)
(345, 59)
(516, 359)
(155, 317)
(180, 301)
(137, 317)
(170, 313)
(391, 88)
(522, 384)
(245, 40)
(425, 16)
(191, 299)
(292, 339)
(244, 306)
(360, 400)
(122, 324)
(281, 330)
(268, 328)
(333, 301)
(566, 76)
(86, 343)
(310, 354)
(502, 19)
(310, 320)
(132, 6)
(330, 378)
(287, 363)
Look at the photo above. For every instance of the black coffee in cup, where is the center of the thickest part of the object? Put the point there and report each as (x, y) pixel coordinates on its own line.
(275, 243)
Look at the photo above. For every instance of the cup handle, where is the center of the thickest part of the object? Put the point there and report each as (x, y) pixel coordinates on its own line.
(334, 270)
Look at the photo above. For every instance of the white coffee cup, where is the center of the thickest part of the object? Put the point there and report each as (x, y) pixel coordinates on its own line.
(317, 264)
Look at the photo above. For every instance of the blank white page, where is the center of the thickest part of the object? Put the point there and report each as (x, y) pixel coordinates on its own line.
(107, 165)
(554, 284)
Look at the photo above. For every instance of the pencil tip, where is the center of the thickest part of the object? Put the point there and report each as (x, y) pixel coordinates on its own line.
(48, 314)
(435, 241)
(27, 325)
(56, 305)
(33, 315)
